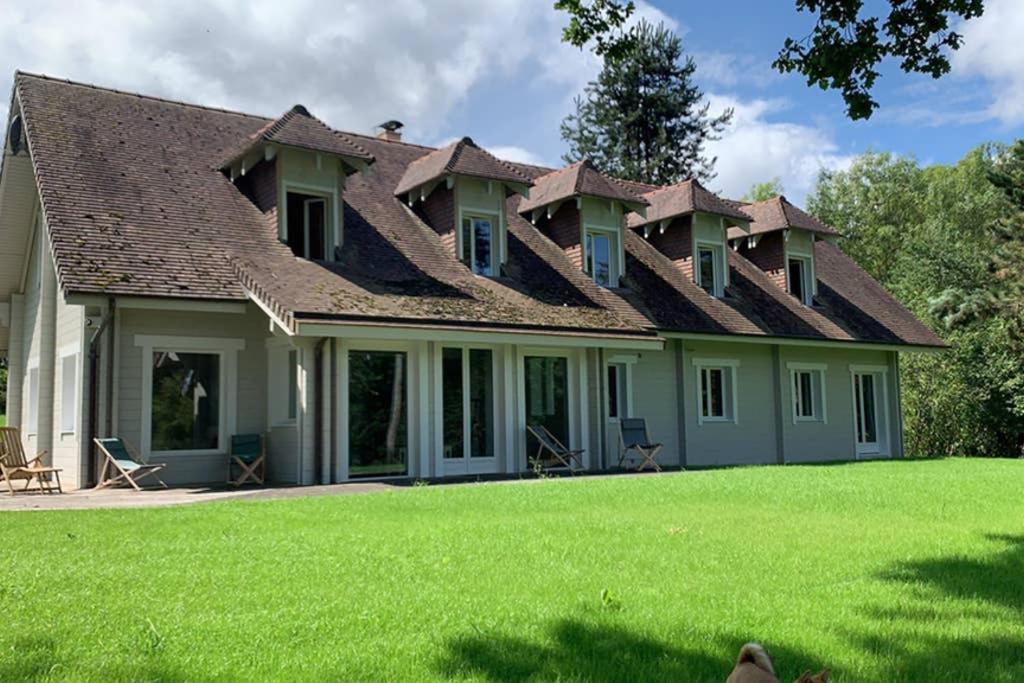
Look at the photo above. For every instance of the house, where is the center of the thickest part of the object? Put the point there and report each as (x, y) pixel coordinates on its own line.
(175, 274)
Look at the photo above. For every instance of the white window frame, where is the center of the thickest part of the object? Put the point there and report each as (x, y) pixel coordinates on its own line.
(819, 372)
(487, 463)
(70, 352)
(332, 228)
(624, 365)
(279, 352)
(807, 273)
(718, 251)
(730, 372)
(228, 350)
(614, 238)
(497, 250)
(32, 423)
(881, 373)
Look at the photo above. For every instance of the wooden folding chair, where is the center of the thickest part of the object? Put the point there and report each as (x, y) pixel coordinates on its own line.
(124, 466)
(14, 464)
(548, 442)
(249, 454)
(633, 436)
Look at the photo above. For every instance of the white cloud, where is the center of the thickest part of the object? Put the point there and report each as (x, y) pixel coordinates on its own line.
(993, 50)
(730, 69)
(519, 155)
(755, 150)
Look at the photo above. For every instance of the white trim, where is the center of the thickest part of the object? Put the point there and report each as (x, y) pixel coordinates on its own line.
(69, 351)
(496, 238)
(614, 249)
(227, 350)
(793, 341)
(884, 369)
(806, 262)
(819, 391)
(274, 320)
(732, 365)
(881, 374)
(464, 464)
(720, 263)
(190, 305)
(314, 190)
(573, 405)
(625, 380)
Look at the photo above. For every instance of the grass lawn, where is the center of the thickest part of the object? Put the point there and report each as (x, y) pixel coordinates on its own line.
(881, 571)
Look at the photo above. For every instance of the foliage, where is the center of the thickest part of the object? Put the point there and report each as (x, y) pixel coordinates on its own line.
(920, 231)
(844, 49)
(644, 118)
(602, 21)
(882, 571)
(759, 192)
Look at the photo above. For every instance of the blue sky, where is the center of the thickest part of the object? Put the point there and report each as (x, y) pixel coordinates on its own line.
(497, 71)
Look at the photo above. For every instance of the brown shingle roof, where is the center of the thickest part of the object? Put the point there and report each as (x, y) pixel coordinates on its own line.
(298, 128)
(681, 199)
(779, 213)
(579, 179)
(462, 157)
(135, 206)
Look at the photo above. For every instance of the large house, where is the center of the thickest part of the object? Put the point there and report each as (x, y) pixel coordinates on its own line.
(175, 274)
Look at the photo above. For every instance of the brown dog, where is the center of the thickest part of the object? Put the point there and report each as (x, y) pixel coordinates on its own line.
(753, 665)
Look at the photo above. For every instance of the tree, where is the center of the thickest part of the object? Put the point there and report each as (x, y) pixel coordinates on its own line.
(644, 119)
(759, 192)
(602, 21)
(844, 49)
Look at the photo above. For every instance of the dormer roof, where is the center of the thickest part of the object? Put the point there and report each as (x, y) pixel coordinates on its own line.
(682, 199)
(578, 180)
(778, 213)
(462, 157)
(300, 129)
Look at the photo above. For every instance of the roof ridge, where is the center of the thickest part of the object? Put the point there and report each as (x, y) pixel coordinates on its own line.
(128, 93)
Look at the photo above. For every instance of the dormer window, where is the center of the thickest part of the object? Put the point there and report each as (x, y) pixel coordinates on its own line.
(798, 274)
(476, 249)
(599, 262)
(710, 271)
(306, 225)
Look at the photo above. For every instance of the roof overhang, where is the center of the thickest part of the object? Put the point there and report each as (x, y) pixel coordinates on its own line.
(263, 150)
(551, 208)
(423, 190)
(853, 344)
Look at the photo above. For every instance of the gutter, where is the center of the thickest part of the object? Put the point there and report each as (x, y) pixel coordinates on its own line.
(94, 381)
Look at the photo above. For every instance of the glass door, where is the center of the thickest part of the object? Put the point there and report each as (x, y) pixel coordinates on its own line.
(467, 406)
(547, 400)
(377, 414)
(865, 409)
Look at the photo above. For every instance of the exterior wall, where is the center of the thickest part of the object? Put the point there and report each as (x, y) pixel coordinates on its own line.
(800, 243)
(438, 211)
(564, 230)
(68, 444)
(708, 228)
(676, 242)
(656, 394)
(769, 255)
(31, 337)
(250, 400)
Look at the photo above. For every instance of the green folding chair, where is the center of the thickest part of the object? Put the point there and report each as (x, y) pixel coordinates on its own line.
(122, 466)
(249, 457)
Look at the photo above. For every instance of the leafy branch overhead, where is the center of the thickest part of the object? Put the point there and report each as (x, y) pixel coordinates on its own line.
(602, 21)
(844, 49)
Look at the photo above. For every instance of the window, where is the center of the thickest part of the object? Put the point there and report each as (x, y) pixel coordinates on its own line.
(870, 401)
(467, 403)
(33, 400)
(185, 401)
(808, 392)
(477, 243)
(546, 385)
(600, 248)
(377, 413)
(68, 392)
(716, 390)
(709, 269)
(307, 217)
(618, 401)
(800, 285)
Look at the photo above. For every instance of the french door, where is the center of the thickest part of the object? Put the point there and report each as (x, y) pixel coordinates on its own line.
(865, 412)
(467, 406)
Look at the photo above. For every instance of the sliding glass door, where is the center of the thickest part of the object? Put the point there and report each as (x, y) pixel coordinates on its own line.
(378, 418)
(865, 409)
(546, 384)
(467, 406)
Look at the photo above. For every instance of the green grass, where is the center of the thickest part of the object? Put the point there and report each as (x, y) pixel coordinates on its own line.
(881, 571)
(3, 420)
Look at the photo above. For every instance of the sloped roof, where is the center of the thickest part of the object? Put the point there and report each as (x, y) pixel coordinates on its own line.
(579, 179)
(778, 213)
(682, 199)
(135, 206)
(298, 128)
(462, 157)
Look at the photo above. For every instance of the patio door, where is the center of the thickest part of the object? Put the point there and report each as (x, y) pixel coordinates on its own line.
(865, 412)
(546, 385)
(467, 405)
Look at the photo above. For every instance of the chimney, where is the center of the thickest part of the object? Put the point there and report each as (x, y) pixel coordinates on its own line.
(391, 131)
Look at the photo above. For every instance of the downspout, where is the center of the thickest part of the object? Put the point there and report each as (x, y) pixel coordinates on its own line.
(94, 364)
(318, 408)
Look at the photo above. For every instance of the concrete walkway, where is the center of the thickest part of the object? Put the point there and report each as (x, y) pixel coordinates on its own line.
(127, 498)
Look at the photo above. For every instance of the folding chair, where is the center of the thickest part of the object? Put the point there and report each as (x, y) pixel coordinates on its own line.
(124, 466)
(249, 453)
(633, 436)
(548, 442)
(14, 464)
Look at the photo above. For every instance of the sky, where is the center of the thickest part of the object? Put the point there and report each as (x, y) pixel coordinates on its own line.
(496, 70)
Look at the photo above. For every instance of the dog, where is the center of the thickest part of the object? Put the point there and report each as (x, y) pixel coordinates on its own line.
(753, 665)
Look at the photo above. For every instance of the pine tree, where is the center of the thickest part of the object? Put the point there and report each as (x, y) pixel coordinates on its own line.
(644, 118)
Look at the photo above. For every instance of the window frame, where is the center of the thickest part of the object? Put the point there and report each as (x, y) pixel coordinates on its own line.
(69, 353)
(806, 262)
(730, 402)
(883, 433)
(613, 236)
(819, 391)
(471, 214)
(467, 456)
(332, 227)
(281, 382)
(718, 253)
(227, 349)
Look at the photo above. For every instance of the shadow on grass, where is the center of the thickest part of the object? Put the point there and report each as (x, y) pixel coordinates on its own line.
(35, 658)
(590, 652)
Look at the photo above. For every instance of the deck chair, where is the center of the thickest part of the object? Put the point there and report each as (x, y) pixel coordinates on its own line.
(633, 436)
(122, 466)
(249, 456)
(14, 464)
(548, 442)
